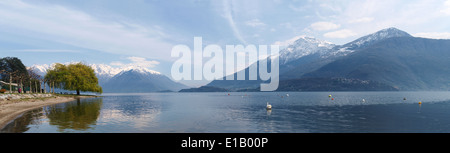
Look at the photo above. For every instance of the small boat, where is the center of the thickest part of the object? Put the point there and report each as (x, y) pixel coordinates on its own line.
(269, 106)
(363, 100)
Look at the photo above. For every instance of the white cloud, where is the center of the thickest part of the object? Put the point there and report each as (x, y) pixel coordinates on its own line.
(433, 35)
(136, 62)
(324, 26)
(340, 34)
(446, 10)
(227, 8)
(116, 63)
(47, 51)
(361, 20)
(330, 6)
(142, 62)
(254, 23)
(54, 23)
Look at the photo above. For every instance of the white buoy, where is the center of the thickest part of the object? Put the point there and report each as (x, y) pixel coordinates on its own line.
(268, 107)
(363, 100)
(287, 95)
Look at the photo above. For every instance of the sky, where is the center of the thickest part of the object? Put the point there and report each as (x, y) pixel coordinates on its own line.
(124, 32)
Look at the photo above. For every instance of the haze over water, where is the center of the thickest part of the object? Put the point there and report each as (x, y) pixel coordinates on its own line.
(244, 112)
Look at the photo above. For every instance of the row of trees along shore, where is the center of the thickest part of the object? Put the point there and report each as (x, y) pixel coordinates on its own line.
(73, 77)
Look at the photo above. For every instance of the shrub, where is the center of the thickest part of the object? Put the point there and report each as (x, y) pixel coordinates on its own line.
(2, 90)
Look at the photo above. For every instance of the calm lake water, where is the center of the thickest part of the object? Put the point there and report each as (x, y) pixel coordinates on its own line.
(244, 112)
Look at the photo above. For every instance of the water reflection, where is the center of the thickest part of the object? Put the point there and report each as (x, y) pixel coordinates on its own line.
(269, 112)
(20, 124)
(81, 114)
(130, 113)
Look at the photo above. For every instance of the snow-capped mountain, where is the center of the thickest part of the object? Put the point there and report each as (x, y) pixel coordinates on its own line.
(308, 54)
(375, 37)
(140, 80)
(40, 69)
(371, 39)
(399, 60)
(103, 71)
(304, 46)
(139, 70)
(303, 49)
(125, 79)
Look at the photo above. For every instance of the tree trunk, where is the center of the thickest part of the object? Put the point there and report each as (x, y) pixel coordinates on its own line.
(45, 89)
(10, 82)
(40, 86)
(78, 92)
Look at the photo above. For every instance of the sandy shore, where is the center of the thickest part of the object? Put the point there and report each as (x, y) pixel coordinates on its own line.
(9, 110)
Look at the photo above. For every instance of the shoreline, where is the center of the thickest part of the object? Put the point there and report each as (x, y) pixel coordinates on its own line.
(9, 110)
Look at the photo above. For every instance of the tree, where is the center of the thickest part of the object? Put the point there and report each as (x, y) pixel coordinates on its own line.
(34, 77)
(12, 69)
(78, 77)
(11, 64)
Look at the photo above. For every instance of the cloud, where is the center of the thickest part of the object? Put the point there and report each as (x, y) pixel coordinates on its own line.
(142, 62)
(58, 24)
(361, 20)
(340, 34)
(227, 8)
(324, 26)
(297, 9)
(433, 35)
(254, 23)
(136, 62)
(116, 63)
(446, 10)
(47, 51)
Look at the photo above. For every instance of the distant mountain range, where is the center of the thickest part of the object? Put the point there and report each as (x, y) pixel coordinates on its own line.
(127, 79)
(389, 59)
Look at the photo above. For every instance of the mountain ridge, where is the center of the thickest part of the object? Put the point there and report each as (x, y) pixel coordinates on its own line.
(406, 63)
(139, 81)
(371, 52)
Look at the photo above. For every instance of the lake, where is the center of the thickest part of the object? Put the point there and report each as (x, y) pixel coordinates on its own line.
(292, 112)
